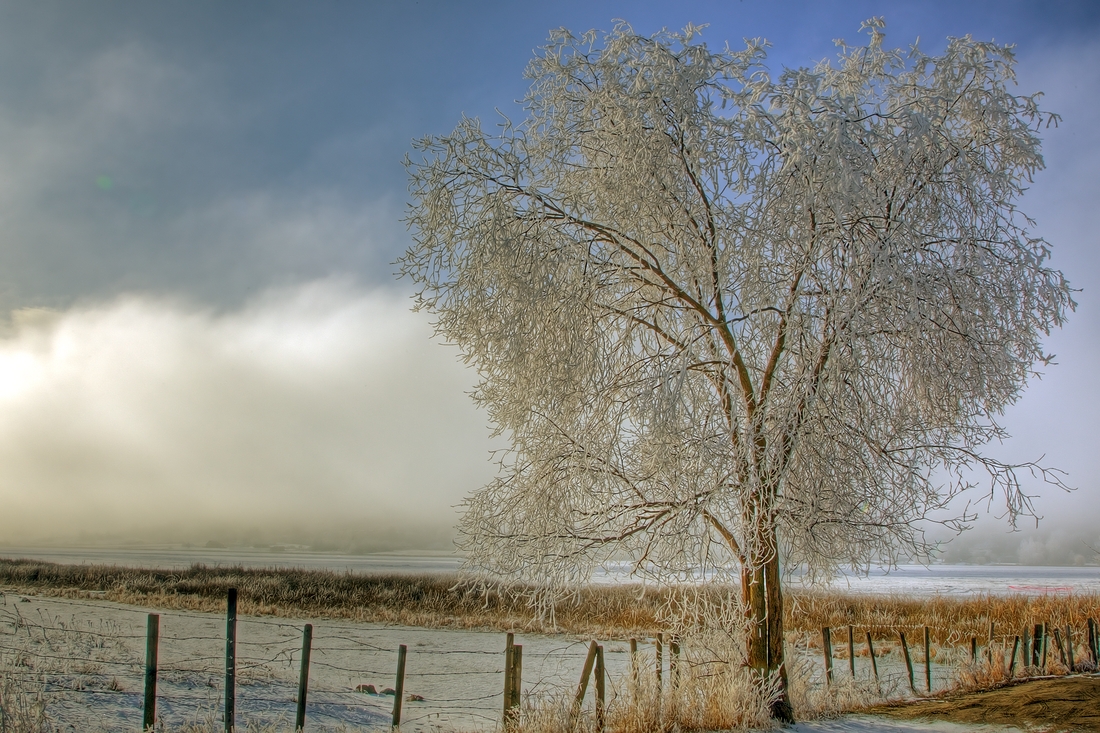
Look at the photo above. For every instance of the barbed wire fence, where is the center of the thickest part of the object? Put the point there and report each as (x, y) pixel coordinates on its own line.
(197, 668)
(350, 678)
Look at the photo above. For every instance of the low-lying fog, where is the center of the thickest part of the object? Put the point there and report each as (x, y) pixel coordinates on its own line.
(322, 416)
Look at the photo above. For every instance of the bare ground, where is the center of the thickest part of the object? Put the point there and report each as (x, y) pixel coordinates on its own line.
(1053, 704)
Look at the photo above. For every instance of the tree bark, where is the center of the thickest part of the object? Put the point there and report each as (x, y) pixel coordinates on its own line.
(763, 599)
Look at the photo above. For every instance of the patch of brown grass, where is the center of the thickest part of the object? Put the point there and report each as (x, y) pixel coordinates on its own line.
(619, 611)
(952, 620)
(436, 601)
(1066, 703)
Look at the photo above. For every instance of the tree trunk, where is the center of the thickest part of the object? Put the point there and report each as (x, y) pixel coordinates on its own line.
(763, 600)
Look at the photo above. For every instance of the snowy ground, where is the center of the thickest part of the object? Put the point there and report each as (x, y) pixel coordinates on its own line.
(89, 656)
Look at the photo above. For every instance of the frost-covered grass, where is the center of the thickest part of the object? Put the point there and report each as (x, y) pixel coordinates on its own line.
(60, 652)
(953, 620)
(604, 611)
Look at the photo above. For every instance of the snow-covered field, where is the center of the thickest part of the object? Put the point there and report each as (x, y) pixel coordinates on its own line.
(88, 656)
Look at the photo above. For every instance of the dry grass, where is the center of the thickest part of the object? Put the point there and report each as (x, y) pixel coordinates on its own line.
(706, 693)
(711, 694)
(952, 620)
(435, 601)
(22, 705)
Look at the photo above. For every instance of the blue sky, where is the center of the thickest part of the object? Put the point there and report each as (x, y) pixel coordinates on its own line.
(181, 178)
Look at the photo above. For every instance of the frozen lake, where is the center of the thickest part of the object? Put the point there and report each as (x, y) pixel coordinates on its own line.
(915, 579)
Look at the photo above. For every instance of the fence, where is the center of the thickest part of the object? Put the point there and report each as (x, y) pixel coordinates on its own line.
(192, 667)
(1030, 650)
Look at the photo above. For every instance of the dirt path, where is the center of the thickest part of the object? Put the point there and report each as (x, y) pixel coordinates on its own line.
(1060, 704)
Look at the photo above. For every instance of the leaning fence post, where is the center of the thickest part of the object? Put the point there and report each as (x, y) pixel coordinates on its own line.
(908, 661)
(874, 662)
(399, 691)
(1059, 646)
(508, 645)
(1046, 636)
(303, 677)
(827, 648)
(989, 647)
(927, 660)
(1012, 664)
(851, 650)
(230, 659)
(586, 671)
(1094, 642)
(152, 642)
(601, 673)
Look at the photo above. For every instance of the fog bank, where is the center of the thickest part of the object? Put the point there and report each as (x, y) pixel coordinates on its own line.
(322, 415)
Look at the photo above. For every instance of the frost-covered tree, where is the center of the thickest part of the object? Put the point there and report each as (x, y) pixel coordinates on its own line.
(729, 321)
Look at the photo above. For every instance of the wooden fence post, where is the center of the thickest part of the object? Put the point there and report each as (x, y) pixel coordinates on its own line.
(582, 687)
(989, 647)
(1094, 642)
(399, 688)
(1012, 664)
(303, 678)
(152, 643)
(230, 660)
(660, 660)
(874, 662)
(634, 664)
(908, 661)
(927, 660)
(508, 647)
(852, 650)
(1069, 647)
(674, 662)
(1025, 648)
(1046, 637)
(1059, 646)
(827, 649)
(517, 678)
(973, 649)
(601, 674)
(1036, 645)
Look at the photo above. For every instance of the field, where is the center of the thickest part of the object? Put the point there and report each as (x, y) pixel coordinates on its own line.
(371, 614)
(437, 601)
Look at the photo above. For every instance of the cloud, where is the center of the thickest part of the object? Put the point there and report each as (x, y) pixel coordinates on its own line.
(320, 414)
(131, 171)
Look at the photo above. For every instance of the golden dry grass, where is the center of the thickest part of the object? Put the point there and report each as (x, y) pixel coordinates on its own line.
(434, 601)
(953, 620)
(604, 611)
(716, 701)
